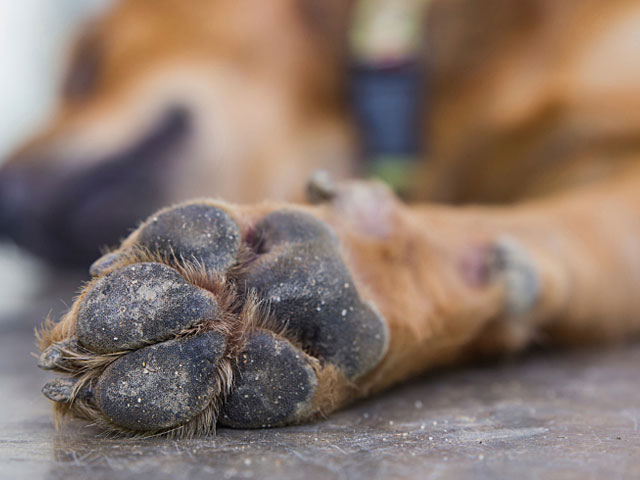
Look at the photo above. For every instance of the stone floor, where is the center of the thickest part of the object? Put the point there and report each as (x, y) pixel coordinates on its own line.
(549, 415)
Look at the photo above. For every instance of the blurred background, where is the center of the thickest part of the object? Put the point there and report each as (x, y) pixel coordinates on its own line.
(112, 109)
(35, 37)
(35, 34)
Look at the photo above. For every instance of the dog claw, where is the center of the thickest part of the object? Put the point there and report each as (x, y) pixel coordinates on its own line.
(59, 390)
(140, 304)
(53, 358)
(275, 385)
(321, 187)
(513, 264)
(104, 263)
(162, 385)
(63, 390)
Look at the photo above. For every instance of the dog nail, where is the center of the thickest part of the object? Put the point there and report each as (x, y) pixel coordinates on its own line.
(53, 358)
(321, 187)
(512, 263)
(140, 304)
(275, 385)
(163, 385)
(104, 263)
(202, 234)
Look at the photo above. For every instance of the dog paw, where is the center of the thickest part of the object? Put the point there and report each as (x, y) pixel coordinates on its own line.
(208, 315)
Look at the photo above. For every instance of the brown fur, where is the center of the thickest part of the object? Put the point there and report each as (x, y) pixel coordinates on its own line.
(264, 79)
(525, 97)
(410, 269)
(529, 97)
(520, 112)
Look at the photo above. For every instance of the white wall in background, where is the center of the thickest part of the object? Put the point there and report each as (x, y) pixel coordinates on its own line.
(33, 37)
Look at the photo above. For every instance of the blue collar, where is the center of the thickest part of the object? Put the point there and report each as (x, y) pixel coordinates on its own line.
(388, 86)
(388, 103)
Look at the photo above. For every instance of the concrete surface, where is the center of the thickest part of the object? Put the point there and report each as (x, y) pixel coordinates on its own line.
(550, 415)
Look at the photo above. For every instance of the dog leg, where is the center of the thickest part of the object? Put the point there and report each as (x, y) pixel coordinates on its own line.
(274, 314)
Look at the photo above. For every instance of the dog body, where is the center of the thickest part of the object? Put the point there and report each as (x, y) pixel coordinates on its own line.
(533, 110)
(164, 102)
(530, 97)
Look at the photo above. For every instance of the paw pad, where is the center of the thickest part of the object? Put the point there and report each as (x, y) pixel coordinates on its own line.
(275, 385)
(140, 304)
(313, 295)
(151, 347)
(193, 233)
(162, 385)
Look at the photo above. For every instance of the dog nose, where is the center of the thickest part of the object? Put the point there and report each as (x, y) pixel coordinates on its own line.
(28, 215)
(14, 198)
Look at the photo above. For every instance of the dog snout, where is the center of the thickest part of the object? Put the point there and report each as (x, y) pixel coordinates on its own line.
(65, 209)
(14, 200)
(25, 195)
(35, 212)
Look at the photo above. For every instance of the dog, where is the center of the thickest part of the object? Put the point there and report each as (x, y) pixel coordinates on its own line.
(277, 313)
(168, 100)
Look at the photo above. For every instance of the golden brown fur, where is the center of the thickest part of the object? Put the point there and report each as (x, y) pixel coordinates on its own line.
(267, 86)
(530, 97)
(525, 97)
(535, 99)
(410, 264)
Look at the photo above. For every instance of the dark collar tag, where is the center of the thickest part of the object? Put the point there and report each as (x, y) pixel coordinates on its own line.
(387, 86)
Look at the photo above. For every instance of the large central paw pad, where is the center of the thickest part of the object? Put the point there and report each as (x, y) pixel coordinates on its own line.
(202, 318)
(312, 293)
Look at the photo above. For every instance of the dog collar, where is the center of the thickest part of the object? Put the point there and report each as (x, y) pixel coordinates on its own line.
(387, 85)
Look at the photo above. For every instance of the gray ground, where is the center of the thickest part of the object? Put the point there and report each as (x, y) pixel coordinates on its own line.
(549, 415)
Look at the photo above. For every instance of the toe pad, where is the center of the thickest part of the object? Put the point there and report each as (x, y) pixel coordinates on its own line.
(197, 233)
(163, 385)
(274, 385)
(138, 305)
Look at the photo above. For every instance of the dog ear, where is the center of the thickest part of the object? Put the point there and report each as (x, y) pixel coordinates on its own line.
(465, 35)
(83, 68)
(329, 20)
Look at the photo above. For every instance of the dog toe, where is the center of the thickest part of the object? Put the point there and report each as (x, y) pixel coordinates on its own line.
(195, 232)
(162, 385)
(140, 304)
(275, 385)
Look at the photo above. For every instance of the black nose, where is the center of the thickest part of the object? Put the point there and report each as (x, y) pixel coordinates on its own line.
(28, 215)
(4, 211)
(67, 214)
(14, 200)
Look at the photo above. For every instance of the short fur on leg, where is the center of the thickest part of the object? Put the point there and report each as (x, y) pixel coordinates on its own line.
(151, 300)
(438, 285)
